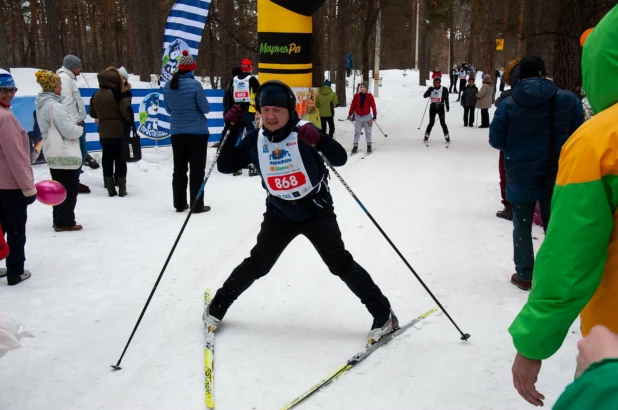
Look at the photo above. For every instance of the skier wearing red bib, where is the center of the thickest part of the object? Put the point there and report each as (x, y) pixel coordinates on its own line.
(439, 99)
(298, 202)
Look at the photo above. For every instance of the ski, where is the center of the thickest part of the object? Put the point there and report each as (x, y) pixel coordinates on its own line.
(356, 359)
(426, 142)
(448, 144)
(209, 358)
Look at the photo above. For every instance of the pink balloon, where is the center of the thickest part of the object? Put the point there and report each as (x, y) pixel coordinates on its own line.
(50, 192)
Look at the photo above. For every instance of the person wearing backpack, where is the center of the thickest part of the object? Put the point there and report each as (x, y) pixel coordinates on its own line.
(531, 127)
(112, 107)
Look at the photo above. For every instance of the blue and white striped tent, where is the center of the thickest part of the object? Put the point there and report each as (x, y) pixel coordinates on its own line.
(215, 117)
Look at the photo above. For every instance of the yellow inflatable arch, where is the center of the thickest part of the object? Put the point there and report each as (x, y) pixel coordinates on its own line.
(284, 38)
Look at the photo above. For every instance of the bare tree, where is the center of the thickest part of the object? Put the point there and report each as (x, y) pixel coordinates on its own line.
(567, 57)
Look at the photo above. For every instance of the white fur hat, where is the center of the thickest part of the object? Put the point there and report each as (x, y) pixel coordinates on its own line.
(123, 73)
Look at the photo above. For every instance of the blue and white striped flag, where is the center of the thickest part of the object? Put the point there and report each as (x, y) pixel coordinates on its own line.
(183, 31)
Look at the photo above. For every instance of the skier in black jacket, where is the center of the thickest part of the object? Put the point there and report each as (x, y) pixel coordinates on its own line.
(298, 202)
(439, 99)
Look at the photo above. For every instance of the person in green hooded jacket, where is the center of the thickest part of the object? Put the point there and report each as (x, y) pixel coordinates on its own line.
(326, 103)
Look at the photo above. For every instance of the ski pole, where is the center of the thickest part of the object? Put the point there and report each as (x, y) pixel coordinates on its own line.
(376, 123)
(464, 336)
(424, 112)
(169, 257)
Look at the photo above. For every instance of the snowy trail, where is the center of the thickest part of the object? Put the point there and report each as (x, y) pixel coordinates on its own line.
(298, 323)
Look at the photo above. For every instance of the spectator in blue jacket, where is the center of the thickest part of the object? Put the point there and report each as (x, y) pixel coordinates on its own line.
(522, 129)
(349, 64)
(187, 106)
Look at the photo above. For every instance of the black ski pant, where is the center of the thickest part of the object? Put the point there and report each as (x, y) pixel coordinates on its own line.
(64, 214)
(453, 84)
(432, 118)
(331, 124)
(13, 217)
(323, 232)
(468, 116)
(112, 154)
(462, 86)
(189, 152)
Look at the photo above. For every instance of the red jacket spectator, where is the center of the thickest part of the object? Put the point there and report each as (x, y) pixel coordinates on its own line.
(436, 74)
(363, 109)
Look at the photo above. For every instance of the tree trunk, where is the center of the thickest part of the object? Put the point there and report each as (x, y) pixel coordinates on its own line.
(520, 27)
(371, 14)
(332, 42)
(489, 39)
(52, 29)
(567, 55)
(343, 24)
(473, 33)
(317, 47)
(505, 23)
(423, 33)
(530, 29)
(34, 32)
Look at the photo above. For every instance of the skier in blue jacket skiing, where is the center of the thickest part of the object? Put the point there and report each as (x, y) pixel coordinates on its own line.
(298, 202)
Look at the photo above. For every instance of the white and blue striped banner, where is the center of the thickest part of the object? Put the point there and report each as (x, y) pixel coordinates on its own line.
(214, 118)
(183, 31)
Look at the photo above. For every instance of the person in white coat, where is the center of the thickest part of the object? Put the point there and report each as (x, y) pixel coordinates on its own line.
(71, 68)
(51, 112)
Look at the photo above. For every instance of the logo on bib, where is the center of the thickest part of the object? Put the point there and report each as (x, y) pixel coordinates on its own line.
(265, 149)
(279, 154)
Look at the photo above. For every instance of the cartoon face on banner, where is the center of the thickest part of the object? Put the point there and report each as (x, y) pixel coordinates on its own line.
(171, 58)
(148, 118)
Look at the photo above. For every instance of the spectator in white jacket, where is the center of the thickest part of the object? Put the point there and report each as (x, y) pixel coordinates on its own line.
(71, 68)
(50, 103)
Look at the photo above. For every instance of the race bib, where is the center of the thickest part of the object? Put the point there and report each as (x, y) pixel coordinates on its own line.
(282, 167)
(241, 90)
(462, 75)
(436, 96)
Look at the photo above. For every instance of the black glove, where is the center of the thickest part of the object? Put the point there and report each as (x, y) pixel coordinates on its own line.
(30, 199)
(375, 116)
(447, 109)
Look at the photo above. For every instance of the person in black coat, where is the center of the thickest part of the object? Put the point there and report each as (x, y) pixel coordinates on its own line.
(468, 101)
(439, 100)
(298, 202)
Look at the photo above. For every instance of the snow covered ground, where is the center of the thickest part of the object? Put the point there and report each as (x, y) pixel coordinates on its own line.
(299, 323)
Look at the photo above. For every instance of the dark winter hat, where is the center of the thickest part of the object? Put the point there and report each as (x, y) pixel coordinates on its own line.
(236, 71)
(71, 62)
(531, 66)
(365, 84)
(186, 63)
(327, 83)
(275, 94)
(438, 79)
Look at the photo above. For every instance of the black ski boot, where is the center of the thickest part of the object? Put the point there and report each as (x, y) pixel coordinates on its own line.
(369, 149)
(354, 150)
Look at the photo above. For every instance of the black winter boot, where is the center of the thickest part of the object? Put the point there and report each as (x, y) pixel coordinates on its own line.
(369, 149)
(109, 184)
(122, 187)
(354, 150)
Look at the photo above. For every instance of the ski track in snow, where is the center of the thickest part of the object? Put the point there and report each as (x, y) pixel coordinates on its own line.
(297, 324)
